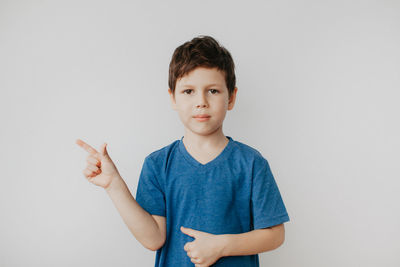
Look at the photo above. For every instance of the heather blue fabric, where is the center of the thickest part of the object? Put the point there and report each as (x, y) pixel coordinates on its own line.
(234, 193)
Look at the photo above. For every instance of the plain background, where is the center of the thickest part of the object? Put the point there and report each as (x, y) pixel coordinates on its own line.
(318, 96)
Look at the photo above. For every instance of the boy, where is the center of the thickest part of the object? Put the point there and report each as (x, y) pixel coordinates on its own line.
(206, 199)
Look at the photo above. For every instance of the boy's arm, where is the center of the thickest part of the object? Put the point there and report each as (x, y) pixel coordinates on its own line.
(141, 223)
(253, 242)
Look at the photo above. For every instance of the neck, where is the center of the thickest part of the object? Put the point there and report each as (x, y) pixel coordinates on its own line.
(216, 139)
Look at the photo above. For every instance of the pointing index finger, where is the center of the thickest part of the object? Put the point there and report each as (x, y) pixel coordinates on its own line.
(87, 147)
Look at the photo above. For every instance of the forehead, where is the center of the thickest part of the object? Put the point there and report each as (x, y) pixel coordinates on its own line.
(202, 76)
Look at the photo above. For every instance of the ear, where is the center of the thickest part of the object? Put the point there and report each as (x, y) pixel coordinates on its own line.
(232, 99)
(172, 97)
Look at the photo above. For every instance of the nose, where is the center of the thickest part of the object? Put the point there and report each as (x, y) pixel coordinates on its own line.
(202, 101)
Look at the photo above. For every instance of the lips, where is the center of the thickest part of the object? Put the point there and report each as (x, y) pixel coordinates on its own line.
(202, 116)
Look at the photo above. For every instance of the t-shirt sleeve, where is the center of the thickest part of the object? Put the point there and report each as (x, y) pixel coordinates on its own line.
(268, 208)
(150, 194)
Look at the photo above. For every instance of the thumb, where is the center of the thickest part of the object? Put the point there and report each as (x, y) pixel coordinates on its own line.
(103, 150)
(188, 231)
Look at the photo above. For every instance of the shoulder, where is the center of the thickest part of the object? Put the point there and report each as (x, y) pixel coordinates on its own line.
(163, 151)
(249, 152)
(251, 157)
(160, 157)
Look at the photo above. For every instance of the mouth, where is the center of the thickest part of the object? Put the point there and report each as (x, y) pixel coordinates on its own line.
(202, 117)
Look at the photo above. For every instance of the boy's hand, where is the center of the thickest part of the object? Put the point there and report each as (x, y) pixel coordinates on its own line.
(205, 250)
(100, 169)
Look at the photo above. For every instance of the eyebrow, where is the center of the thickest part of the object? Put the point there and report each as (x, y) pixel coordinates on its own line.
(213, 84)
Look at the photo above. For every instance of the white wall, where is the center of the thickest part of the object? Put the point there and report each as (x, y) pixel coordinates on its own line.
(318, 97)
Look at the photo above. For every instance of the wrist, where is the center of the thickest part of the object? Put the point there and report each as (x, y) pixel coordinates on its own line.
(115, 183)
(224, 245)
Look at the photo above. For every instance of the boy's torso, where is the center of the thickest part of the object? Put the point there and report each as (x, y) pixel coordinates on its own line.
(208, 192)
(203, 189)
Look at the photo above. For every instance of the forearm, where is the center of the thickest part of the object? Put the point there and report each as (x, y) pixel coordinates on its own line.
(250, 243)
(141, 224)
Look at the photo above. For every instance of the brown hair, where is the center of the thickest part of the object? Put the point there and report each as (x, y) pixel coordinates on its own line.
(201, 51)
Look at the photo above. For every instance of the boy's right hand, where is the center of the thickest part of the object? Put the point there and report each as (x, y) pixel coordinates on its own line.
(100, 169)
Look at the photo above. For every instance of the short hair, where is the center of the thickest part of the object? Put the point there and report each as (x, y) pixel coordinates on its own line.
(201, 51)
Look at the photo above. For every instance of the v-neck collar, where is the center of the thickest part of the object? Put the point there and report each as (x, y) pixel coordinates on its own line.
(209, 164)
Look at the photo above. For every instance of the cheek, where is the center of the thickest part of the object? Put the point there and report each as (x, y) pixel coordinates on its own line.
(222, 105)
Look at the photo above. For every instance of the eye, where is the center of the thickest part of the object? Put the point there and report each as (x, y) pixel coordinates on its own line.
(214, 91)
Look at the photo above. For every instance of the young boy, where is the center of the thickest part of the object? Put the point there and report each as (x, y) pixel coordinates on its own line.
(206, 199)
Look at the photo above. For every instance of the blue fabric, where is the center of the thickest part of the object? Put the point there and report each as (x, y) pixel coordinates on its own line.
(234, 193)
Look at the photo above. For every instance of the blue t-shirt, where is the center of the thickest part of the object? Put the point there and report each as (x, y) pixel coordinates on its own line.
(232, 194)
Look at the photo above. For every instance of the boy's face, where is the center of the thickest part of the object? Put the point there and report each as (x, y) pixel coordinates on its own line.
(202, 91)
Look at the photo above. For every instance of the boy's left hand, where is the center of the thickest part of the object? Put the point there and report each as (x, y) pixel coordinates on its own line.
(206, 249)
